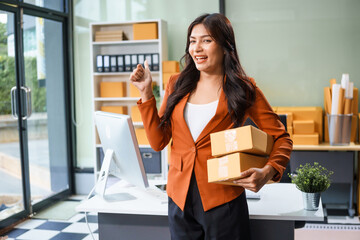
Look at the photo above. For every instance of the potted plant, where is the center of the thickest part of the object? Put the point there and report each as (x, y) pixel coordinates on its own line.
(311, 180)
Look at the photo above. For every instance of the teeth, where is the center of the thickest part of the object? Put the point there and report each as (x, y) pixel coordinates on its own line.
(200, 57)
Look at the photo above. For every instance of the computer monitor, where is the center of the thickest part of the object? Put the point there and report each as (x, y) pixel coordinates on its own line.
(122, 155)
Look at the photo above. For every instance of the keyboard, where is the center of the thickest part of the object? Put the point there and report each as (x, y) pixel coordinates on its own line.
(157, 193)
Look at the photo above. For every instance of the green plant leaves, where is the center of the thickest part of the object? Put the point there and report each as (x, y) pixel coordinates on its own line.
(311, 178)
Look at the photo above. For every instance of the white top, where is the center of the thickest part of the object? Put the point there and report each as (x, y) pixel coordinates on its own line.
(197, 116)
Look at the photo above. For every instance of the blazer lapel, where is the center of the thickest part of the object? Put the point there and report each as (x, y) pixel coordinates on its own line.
(178, 114)
(221, 113)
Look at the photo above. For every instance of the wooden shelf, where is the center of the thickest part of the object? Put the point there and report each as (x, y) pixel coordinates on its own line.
(100, 74)
(327, 147)
(124, 99)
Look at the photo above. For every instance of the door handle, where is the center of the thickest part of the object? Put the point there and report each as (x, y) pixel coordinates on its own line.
(13, 103)
(28, 102)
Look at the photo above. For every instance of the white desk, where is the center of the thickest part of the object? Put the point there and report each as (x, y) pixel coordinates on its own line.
(144, 217)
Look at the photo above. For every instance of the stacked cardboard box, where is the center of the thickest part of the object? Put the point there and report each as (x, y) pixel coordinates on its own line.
(236, 150)
(114, 109)
(304, 124)
(109, 36)
(169, 68)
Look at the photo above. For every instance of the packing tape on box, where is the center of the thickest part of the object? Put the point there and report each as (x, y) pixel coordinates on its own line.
(230, 140)
(223, 167)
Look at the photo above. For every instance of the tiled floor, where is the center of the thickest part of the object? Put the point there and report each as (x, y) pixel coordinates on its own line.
(46, 229)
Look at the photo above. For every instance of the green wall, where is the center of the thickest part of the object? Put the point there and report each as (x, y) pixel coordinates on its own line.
(291, 47)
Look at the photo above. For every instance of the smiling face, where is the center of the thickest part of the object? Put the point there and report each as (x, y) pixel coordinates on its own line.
(205, 52)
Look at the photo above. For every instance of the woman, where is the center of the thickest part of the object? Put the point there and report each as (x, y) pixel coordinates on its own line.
(211, 94)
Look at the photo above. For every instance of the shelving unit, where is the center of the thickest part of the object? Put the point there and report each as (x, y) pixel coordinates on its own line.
(123, 47)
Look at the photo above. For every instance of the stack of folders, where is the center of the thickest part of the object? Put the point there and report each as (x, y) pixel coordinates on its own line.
(109, 36)
(126, 62)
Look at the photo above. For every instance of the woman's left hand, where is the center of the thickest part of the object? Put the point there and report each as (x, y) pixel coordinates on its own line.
(254, 179)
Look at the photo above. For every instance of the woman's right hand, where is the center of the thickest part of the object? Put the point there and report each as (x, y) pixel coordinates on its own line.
(141, 78)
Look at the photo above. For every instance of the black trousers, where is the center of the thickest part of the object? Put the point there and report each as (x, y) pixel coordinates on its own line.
(228, 221)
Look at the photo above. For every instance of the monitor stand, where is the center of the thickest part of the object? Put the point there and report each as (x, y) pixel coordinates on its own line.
(104, 176)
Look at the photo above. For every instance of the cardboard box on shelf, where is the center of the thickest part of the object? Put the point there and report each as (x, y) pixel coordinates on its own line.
(114, 109)
(306, 113)
(105, 36)
(304, 126)
(246, 139)
(170, 66)
(141, 136)
(134, 92)
(227, 168)
(290, 131)
(112, 89)
(135, 114)
(145, 31)
(306, 139)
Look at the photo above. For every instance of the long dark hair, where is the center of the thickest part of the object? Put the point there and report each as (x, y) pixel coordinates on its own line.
(238, 89)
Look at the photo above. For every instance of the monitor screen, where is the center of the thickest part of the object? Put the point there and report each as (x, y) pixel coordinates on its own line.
(122, 155)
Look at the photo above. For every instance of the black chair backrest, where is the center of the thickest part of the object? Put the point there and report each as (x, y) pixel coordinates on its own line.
(281, 116)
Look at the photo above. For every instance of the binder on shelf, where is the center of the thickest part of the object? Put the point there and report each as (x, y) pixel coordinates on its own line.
(99, 63)
(134, 61)
(127, 62)
(141, 59)
(113, 65)
(149, 60)
(155, 62)
(106, 63)
(120, 63)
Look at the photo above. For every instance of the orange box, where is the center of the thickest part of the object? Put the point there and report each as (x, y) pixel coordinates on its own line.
(144, 31)
(134, 92)
(306, 113)
(246, 139)
(114, 109)
(227, 168)
(112, 89)
(306, 139)
(135, 114)
(141, 136)
(166, 78)
(170, 66)
(304, 126)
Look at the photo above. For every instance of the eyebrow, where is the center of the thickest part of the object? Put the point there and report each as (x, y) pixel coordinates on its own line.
(202, 36)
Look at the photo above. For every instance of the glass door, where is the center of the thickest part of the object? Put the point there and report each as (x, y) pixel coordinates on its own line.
(46, 120)
(11, 180)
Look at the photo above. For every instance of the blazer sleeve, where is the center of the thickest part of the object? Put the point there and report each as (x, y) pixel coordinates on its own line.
(268, 121)
(158, 137)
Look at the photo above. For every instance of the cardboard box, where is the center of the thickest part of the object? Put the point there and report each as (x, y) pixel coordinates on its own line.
(112, 89)
(144, 31)
(141, 136)
(290, 131)
(227, 168)
(134, 92)
(114, 109)
(135, 114)
(170, 66)
(304, 126)
(306, 113)
(246, 139)
(354, 126)
(306, 139)
(355, 101)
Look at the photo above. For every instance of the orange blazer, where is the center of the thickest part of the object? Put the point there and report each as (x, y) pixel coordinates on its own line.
(187, 155)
